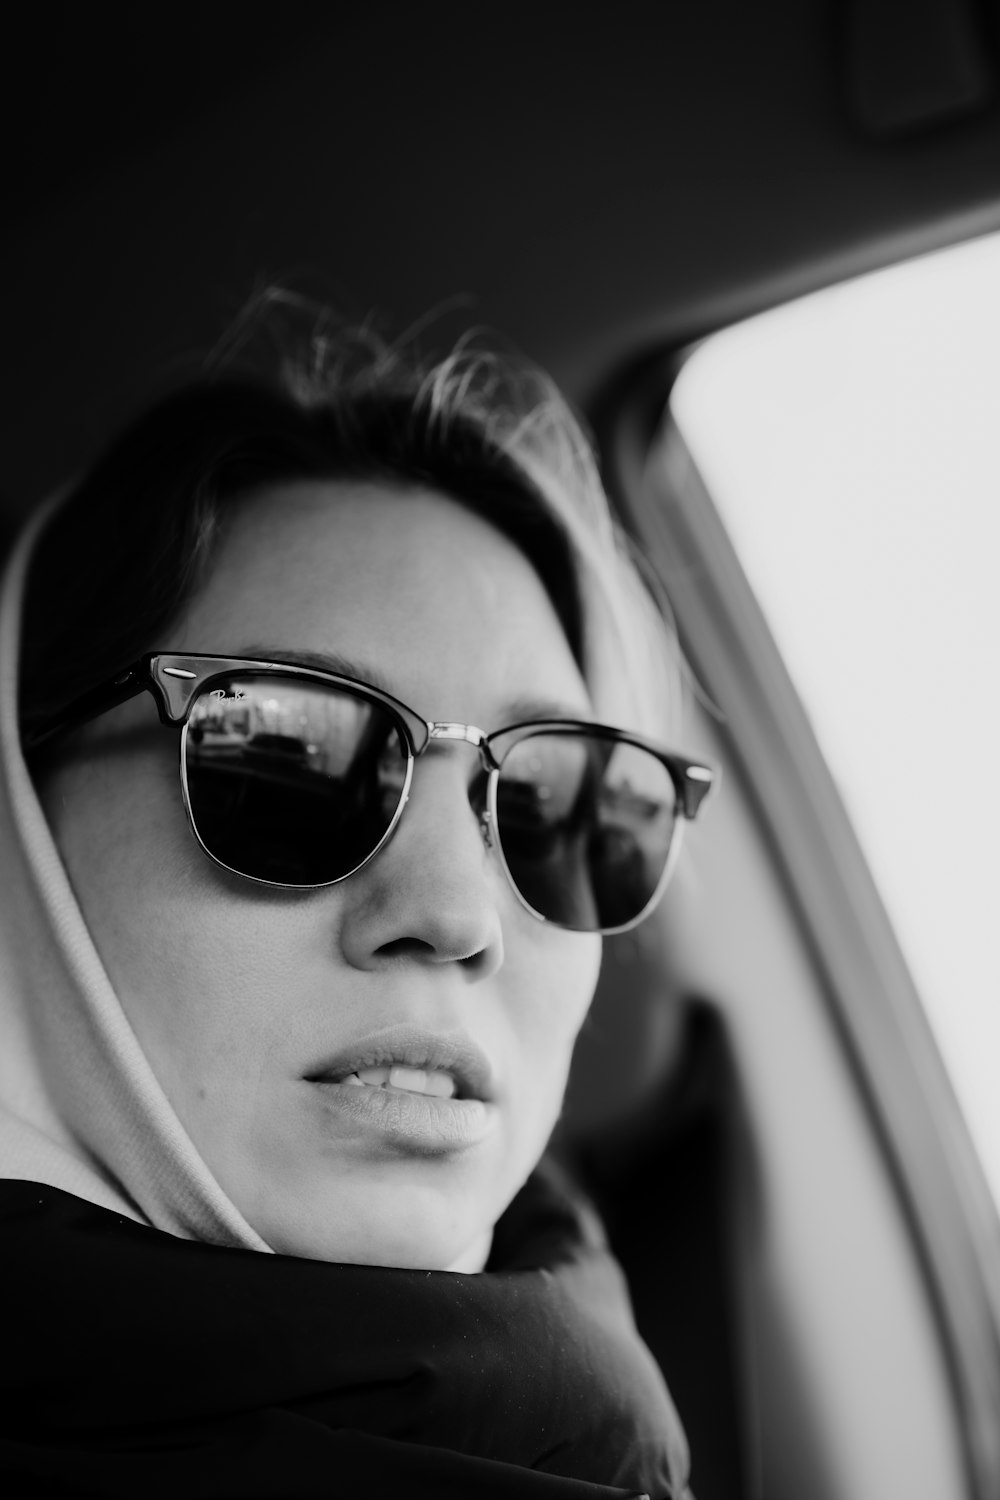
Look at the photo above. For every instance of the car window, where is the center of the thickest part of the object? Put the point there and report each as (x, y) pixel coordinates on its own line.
(848, 441)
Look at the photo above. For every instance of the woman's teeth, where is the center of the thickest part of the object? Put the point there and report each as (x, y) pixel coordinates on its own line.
(411, 1080)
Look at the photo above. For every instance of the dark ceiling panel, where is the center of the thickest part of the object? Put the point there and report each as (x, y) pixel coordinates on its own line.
(913, 64)
(595, 180)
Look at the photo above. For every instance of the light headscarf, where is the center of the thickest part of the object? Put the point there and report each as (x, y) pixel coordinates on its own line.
(80, 1108)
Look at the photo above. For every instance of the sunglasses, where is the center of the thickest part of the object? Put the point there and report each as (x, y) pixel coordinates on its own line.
(296, 778)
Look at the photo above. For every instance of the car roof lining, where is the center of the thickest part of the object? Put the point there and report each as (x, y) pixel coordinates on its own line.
(632, 180)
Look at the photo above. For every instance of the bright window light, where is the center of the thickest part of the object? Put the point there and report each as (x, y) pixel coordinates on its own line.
(852, 444)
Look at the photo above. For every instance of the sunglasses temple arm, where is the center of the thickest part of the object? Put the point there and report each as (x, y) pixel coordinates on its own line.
(90, 705)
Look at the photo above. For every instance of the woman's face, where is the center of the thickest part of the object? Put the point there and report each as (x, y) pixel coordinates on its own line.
(250, 1002)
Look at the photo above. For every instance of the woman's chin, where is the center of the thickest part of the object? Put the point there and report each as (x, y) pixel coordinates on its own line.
(423, 1239)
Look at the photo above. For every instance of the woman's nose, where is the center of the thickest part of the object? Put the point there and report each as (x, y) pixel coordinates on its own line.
(434, 894)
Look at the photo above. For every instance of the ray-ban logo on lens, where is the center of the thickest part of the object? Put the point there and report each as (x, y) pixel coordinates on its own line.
(225, 697)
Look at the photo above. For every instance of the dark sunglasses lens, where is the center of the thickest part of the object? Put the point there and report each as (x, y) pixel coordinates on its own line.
(585, 824)
(289, 781)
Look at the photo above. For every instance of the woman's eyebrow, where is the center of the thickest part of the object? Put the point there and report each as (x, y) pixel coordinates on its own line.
(321, 661)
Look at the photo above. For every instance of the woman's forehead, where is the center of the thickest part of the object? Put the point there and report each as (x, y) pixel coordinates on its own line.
(404, 581)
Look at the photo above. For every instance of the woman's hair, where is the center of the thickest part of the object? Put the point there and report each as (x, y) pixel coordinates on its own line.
(132, 542)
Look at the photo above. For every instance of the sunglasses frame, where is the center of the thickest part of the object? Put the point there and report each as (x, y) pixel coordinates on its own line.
(176, 680)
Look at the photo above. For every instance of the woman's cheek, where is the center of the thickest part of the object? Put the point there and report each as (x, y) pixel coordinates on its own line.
(563, 977)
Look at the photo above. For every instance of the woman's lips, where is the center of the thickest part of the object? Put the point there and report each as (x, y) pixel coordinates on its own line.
(405, 1122)
(412, 1047)
(411, 1090)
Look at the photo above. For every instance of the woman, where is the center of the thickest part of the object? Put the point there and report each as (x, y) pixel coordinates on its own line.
(286, 1036)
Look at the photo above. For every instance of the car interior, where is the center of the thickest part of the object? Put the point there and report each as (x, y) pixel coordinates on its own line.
(757, 1105)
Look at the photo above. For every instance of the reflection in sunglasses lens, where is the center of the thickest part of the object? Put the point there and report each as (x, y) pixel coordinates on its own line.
(291, 782)
(585, 824)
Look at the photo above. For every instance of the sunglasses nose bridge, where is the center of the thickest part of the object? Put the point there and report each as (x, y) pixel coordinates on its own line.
(448, 731)
(470, 734)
